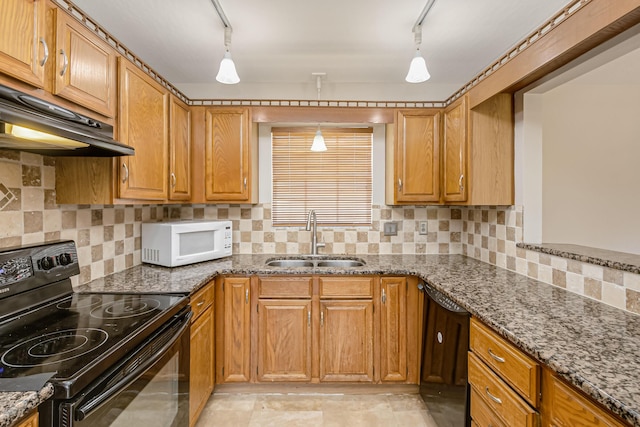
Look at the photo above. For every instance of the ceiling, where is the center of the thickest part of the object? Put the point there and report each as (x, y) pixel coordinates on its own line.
(364, 46)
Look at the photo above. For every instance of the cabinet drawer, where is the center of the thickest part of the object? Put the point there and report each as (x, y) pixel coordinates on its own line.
(518, 369)
(201, 300)
(346, 287)
(481, 413)
(498, 397)
(284, 287)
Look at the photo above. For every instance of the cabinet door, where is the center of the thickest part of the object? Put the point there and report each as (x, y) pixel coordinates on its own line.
(237, 333)
(417, 169)
(393, 329)
(566, 407)
(179, 151)
(23, 49)
(227, 155)
(85, 71)
(143, 124)
(454, 150)
(284, 340)
(201, 378)
(346, 341)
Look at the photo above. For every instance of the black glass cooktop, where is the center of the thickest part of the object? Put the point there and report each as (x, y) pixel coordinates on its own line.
(76, 337)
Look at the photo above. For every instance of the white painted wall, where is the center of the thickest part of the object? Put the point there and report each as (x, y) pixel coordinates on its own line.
(591, 178)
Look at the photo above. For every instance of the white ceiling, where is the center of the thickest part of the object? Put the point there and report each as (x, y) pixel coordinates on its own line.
(364, 46)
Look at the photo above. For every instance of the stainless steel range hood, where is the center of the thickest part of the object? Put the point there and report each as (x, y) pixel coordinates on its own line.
(31, 124)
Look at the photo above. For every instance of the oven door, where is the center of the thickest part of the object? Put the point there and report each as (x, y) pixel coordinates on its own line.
(149, 388)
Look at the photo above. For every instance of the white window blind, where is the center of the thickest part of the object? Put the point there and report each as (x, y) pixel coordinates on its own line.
(335, 183)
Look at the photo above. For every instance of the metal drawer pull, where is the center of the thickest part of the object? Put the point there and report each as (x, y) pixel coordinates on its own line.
(384, 296)
(65, 62)
(246, 296)
(495, 399)
(308, 318)
(496, 357)
(45, 47)
(200, 304)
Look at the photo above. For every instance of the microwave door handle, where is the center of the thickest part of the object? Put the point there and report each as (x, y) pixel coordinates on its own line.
(105, 395)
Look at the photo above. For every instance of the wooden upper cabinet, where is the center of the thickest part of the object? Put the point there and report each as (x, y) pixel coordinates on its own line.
(179, 150)
(491, 163)
(143, 124)
(413, 157)
(229, 175)
(23, 49)
(454, 152)
(85, 66)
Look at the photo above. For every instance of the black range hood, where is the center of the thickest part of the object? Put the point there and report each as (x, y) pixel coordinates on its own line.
(58, 131)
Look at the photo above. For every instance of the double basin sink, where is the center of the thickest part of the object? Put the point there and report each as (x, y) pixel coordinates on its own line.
(315, 262)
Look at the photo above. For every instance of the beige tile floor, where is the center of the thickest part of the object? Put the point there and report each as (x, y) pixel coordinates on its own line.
(310, 410)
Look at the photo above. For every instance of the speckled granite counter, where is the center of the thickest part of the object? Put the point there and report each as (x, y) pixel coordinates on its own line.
(603, 257)
(15, 405)
(594, 346)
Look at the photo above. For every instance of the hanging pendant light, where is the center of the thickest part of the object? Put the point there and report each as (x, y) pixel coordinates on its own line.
(418, 72)
(227, 73)
(318, 139)
(318, 142)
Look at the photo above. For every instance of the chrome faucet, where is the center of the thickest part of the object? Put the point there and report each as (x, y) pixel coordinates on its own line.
(314, 235)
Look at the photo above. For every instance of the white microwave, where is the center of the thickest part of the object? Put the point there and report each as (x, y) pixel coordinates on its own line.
(176, 243)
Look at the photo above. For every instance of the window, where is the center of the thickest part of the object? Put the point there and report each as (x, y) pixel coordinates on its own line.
(335, 183)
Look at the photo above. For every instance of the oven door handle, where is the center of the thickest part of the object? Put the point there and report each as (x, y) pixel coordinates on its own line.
(97, 401)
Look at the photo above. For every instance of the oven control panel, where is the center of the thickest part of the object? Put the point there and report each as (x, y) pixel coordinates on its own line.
(28, 267)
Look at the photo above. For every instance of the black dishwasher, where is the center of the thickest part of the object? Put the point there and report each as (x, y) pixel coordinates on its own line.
(445, 343)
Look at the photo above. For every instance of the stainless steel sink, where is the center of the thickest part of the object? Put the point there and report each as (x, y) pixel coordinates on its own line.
(340, 263)
(310, 263)
(290, 263)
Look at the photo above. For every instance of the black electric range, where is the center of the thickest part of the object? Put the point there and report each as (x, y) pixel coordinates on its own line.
(47, 329)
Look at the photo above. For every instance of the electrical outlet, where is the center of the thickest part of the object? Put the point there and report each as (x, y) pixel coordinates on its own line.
(391, 228)
(423, 227)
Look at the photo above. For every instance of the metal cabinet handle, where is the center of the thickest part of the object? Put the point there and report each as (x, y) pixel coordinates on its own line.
(399, 184)
(496, 357)
(245, 182)
(65, 62)
(309, 318)
(246, 296)
(200, 304)
(384, 296)
(45, 47)
(322, 318)
(126, 173)
(460, 184)
(173, 179)
(492, 397)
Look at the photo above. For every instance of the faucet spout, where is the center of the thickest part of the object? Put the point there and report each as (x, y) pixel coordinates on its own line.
(312, 219)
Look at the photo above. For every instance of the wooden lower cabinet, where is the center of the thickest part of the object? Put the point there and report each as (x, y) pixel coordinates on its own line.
(284, 340)
(30, 421)
(233, 331)
(393, 329)
(202, 350)
(563, 406)
(346, 341)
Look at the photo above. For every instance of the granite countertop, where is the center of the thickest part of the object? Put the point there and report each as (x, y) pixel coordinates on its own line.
(592, 345)
(16, 405)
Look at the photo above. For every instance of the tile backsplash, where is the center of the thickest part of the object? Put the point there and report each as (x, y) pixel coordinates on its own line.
(108, 237)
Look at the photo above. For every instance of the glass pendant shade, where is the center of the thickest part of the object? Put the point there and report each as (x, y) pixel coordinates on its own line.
(227, 73)
(318, 142)
(418, 72)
